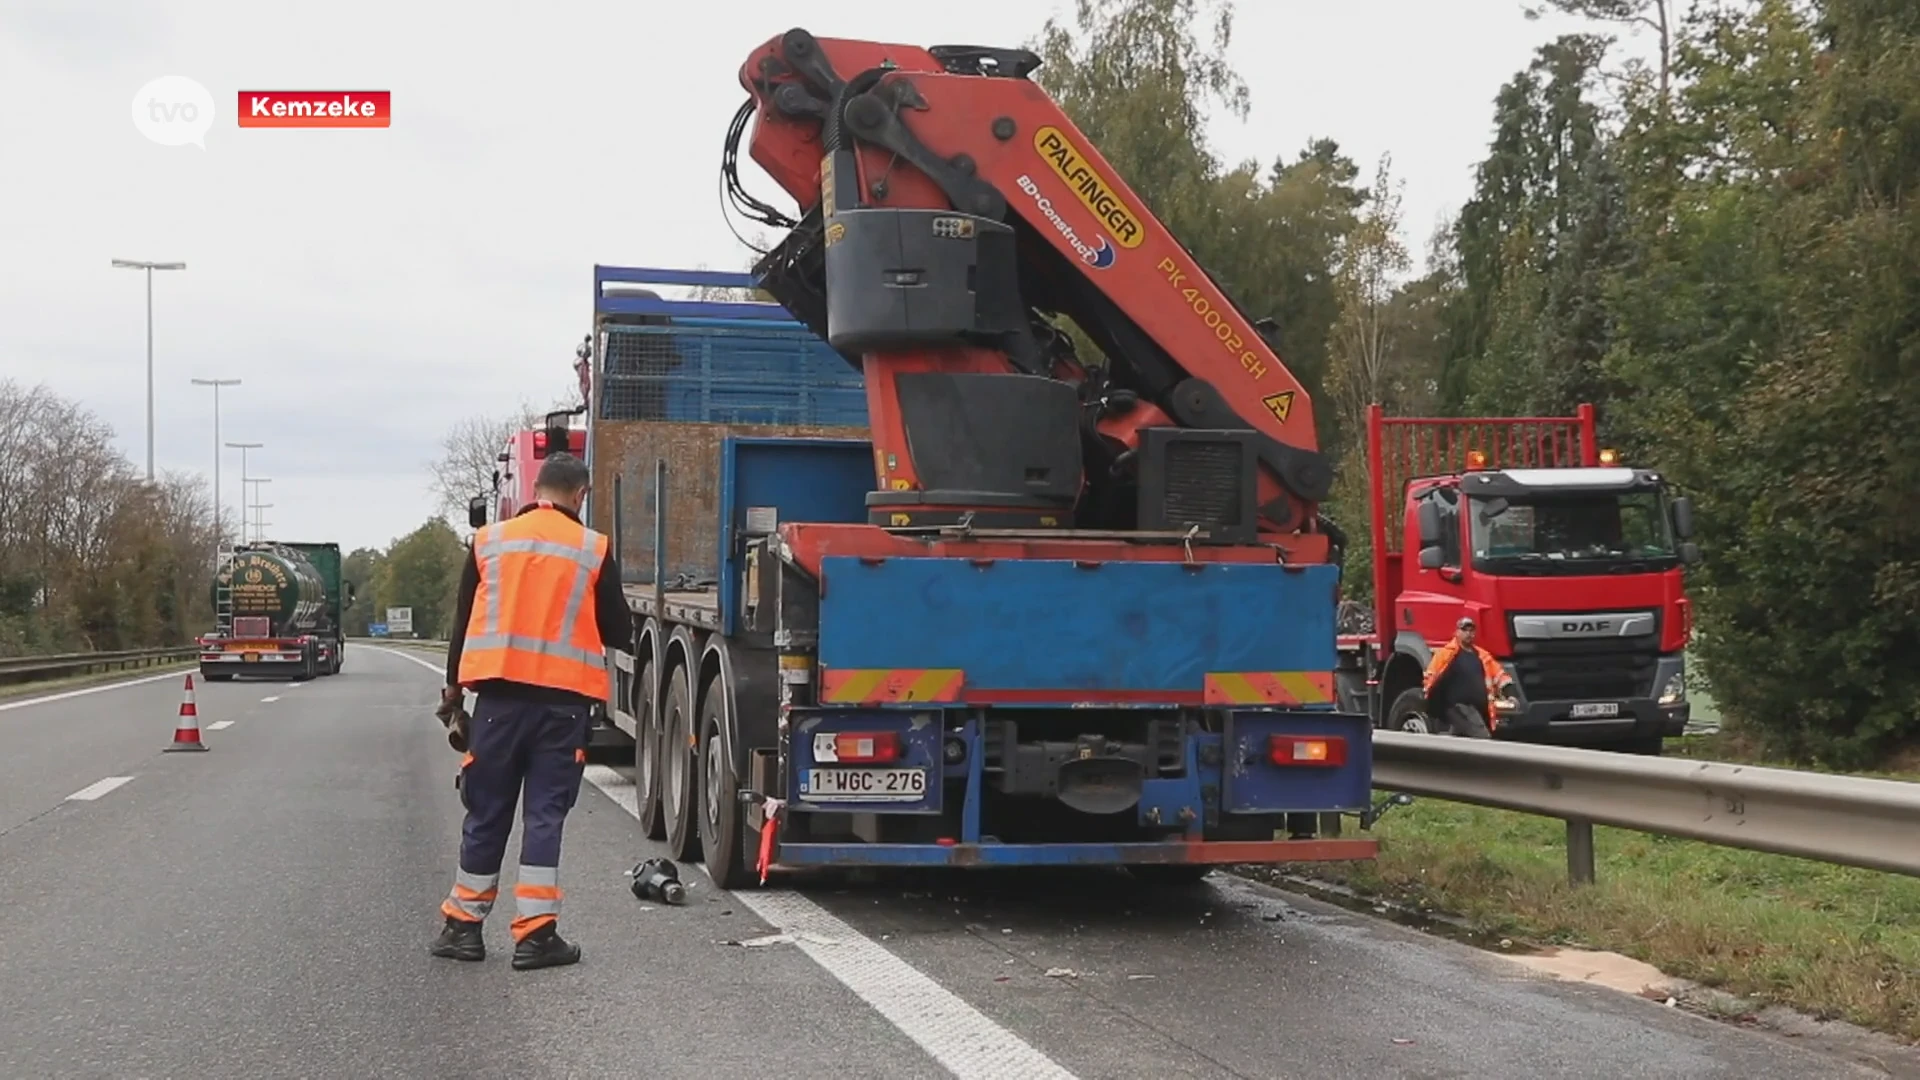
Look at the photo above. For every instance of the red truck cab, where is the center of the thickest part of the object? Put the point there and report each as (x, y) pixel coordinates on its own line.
(519, 464)
(1568, 561)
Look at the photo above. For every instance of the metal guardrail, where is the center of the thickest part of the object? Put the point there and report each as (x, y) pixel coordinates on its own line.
(24, 669)
(1846, 820)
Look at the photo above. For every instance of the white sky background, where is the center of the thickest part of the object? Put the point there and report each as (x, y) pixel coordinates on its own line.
(373, 287)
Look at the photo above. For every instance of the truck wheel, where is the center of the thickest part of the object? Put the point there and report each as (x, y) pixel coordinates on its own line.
(677, 775)
(339, 656)
(1409, 714)
(646, 753)
(720, 824)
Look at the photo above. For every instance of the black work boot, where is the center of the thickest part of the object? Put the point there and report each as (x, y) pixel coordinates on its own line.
(460, 940)
(544, 948)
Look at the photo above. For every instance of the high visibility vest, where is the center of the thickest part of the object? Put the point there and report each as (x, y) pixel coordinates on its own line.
(534, 619)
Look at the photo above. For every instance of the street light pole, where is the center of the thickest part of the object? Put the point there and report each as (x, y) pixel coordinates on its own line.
(218, 537)
(149, 267)
(243, 447)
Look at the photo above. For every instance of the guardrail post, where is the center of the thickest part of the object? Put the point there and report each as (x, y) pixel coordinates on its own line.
(1579, 852)
(1329, 825)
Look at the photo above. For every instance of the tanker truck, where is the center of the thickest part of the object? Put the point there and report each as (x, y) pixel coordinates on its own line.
(277, 609)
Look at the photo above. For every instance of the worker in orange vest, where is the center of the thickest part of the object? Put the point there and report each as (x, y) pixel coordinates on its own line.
(539, 605)
(1461, 682)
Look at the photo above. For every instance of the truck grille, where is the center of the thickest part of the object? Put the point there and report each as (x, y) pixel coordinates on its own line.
(1203, 482)
(1587, 670)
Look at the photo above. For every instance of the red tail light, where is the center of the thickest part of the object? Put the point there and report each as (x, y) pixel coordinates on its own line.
(1307, 750)
(539, 444)
(861, 747)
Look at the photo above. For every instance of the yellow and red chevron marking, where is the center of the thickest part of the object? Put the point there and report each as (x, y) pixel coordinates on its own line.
(874, 686)
(1269, 688)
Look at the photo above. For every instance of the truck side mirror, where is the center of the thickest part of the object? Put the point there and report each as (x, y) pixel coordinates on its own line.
(1431, 557)
(1430, 531)
(496, 479)
(1682, 511)
(1690, 553)
(477, 511)
(348, 602)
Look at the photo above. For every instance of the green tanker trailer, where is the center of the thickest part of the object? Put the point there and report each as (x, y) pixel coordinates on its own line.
(278, 607)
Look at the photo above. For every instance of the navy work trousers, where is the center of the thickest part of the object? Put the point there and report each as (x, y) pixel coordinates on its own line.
(514, 745)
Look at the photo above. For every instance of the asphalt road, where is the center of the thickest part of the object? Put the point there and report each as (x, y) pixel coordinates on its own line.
(262, 910)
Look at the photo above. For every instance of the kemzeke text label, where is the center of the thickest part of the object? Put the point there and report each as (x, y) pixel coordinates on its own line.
(316, 108)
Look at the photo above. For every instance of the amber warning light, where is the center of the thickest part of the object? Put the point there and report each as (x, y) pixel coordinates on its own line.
(316, 108)
(1476, 459)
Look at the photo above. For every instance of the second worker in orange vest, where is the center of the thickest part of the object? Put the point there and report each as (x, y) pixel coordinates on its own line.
(540, 603)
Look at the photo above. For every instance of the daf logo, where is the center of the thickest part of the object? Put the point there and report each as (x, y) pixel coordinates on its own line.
(1597, 626)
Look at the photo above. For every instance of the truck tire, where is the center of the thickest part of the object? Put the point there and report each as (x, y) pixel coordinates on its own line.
(646, 750)
(1408, 713)
(721, 828)
(678, 770)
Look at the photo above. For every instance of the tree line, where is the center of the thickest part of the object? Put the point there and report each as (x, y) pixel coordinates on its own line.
(1719, 248)
(92, 556)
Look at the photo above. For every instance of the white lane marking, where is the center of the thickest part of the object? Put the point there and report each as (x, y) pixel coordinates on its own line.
(8, 706)
(98, 788)
(952, 1032)
(428, 664)
(266, 700)
(616, 787)
(220, 725)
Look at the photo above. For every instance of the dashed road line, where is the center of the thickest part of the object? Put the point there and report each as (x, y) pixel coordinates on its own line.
(220, 725)
(266, 700)
(98, 788)
(952, 1032)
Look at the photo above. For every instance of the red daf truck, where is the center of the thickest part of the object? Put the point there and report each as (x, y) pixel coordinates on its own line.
(1568, 560)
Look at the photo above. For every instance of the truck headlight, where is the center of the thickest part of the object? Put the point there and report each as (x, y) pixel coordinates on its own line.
(1675, 691)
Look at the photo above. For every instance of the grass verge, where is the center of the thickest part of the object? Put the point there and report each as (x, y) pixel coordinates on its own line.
(1829, 941)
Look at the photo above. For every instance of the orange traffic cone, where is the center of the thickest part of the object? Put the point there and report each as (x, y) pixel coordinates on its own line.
(186, 733)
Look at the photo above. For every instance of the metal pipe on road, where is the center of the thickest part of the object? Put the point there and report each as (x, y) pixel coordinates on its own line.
(1846, 820)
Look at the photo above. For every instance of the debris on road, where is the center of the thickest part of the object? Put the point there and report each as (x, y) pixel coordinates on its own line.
(658, 880)
(783, 938)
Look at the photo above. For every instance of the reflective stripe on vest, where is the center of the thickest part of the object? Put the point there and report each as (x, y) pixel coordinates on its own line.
(512, 645)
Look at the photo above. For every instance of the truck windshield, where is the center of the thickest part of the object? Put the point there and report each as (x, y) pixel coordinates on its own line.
(1572, 532)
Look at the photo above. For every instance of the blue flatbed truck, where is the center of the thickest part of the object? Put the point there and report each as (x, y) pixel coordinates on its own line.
(808, 689)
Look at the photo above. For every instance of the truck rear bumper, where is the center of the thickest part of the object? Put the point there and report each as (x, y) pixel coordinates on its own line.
(1216, 852)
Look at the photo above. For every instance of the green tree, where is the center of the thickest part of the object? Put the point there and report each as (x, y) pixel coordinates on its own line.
(422, 571)
(362, 566)
(1138, 78)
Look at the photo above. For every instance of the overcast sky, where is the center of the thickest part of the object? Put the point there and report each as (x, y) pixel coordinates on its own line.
(373, 287)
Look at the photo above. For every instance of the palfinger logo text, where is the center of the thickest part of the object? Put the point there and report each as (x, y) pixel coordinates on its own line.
(1093, 190)
(316, 108)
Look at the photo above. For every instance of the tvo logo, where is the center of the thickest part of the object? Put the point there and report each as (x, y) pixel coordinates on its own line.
(174, 111)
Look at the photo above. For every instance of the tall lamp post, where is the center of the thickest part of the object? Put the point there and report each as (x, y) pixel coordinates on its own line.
(243, 447)
(260, 519)
(218, 537)
(149, 267)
